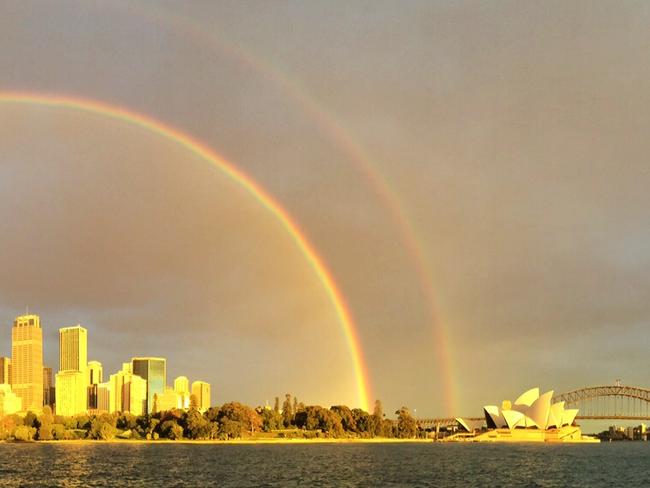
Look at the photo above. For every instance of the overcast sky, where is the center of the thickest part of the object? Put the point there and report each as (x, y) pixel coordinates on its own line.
(513, 134)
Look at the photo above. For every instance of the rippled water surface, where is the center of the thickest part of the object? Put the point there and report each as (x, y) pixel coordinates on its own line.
(97, 464)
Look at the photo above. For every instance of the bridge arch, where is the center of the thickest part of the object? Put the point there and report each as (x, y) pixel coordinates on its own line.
(608, 402)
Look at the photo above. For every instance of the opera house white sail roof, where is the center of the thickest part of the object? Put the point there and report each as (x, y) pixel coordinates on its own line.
(529, 410)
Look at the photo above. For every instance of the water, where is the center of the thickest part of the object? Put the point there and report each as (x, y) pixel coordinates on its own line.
(196, 465)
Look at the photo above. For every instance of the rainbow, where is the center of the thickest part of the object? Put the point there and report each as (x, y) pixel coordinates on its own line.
(356, 154)
(253, 188)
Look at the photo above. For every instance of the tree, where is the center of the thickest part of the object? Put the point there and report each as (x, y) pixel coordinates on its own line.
(103, 428)
(249, 420)
(287, 411)
(45, 424)
(271, 420)
(126, 421)
(362, 421)
(376, 420)
(194, 401)
(406, 425)
(59, 432)
(315, 417)
(347, 419)
(30, 419)
(195, 425)
(171, 430)
(24, 433)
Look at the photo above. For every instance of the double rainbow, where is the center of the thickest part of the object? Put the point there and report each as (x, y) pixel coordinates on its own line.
(253, 188)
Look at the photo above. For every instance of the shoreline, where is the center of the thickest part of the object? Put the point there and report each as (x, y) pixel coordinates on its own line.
(232, 442)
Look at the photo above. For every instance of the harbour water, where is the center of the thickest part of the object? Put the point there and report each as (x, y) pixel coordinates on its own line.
(372, 465)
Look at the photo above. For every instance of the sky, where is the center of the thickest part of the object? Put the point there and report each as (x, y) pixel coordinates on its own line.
(473, 175)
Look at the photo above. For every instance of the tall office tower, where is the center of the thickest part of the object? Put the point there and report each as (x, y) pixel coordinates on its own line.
(27, 361)
(5, 371)
(73, 348)
(182, 389)
(48, 387)
(154, 370)
(201, 390)
(127, 392)
(95, 377)
(72, 378)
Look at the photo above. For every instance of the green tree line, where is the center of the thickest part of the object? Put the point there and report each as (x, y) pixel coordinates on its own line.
(231, 420)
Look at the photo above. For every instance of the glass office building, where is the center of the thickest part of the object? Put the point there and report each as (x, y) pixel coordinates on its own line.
(154, 370)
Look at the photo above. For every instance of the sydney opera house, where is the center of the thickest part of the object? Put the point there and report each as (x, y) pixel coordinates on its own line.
(530, 418)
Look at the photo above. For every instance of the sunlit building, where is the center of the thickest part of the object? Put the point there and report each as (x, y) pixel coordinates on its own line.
(27, 361)
(95, 373)
(95, 377)
(72, 379)
(5, 370)
(48, 387)
(169, 400)
(71, 391)
(154, 371)
(530, 418)
(182, 388)
(103, 397)
(9, 401)
(73, 348)
(127, 393)
(201, 391)
(182, 385)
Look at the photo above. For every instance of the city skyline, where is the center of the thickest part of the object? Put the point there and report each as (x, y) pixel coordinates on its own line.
(139, 387)
(471, 179)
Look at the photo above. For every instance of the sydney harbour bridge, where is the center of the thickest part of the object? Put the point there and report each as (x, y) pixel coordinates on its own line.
(615, 402)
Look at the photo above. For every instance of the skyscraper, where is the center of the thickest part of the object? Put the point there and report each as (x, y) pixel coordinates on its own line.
(154, 370)
(27, 361)
(5, 371)
(201, 390)
(73, 348)
(72, 378)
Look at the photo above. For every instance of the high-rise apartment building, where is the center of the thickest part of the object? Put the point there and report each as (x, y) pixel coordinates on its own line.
(27, 361)
(72, 378)
(201, 391)
(5, 371)
(154, 370)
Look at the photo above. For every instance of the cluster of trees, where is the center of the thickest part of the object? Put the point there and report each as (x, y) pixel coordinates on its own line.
(230, 421)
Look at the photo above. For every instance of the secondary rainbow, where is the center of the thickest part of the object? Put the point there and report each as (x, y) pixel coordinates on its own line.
(253, 188)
